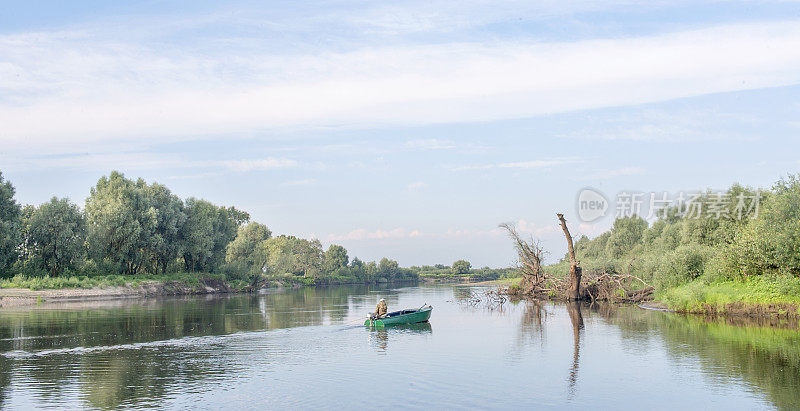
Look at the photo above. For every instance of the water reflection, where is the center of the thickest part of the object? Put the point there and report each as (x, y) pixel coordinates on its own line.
(118, 353)
(764, 352)
(380, 335)
(576, 318)
(269, 347)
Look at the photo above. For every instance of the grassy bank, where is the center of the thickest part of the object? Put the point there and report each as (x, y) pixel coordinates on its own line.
(106, 281)
(755, 297)
(505, 282)
(767, 295)
(189, 280)
(446, 274)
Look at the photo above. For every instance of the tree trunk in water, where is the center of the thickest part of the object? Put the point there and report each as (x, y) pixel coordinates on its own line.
(574, 291)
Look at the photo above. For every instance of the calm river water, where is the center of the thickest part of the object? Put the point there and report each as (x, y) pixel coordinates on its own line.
(300, 349)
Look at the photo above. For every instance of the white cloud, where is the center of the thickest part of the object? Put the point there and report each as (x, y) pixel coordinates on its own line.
(304, 182)
(529, 227)
(260, 164)
(416, 185)
(521, 164)
(364, 234)
(138, 160)
(684, 123)
(430, 144)
(70, 88)
(535, 163)
(590, 230)
(605, 174)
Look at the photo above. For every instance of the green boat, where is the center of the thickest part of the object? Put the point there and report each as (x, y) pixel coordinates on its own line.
(420, 315)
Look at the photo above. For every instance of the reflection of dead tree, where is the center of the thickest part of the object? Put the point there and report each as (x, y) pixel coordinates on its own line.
(534, 314)
(578, 285)
(576, 318)
(533, 319)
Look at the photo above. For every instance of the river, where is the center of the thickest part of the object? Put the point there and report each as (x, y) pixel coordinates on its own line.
(303, 348)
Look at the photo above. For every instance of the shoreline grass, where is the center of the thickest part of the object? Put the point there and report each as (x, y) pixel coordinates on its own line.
(103, 281)
(718, 297)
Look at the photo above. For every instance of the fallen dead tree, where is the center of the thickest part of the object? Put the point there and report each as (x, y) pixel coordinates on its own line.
(621, 288)
(491, 299)
(577, 284)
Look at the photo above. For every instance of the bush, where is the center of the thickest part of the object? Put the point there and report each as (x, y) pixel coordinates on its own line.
(685, 264)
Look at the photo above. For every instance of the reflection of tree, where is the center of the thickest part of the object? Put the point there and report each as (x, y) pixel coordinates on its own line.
(765, 357)
(118, 374)
(576, 318)
(533, 318)
(5, 378)
(462, 293)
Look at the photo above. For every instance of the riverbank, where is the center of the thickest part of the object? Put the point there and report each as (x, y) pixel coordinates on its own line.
(505, 282)
(17, 297)
(22, 291)
(758, 297)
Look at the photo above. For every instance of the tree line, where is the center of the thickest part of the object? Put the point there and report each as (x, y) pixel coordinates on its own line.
(707, 243)
(131, 227)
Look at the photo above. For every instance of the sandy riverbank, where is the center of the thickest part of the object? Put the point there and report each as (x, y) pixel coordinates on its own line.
(16, 297)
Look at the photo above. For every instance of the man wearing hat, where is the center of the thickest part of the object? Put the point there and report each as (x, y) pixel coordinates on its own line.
(380, 310)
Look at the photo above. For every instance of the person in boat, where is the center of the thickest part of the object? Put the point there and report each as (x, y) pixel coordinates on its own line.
(381, 309)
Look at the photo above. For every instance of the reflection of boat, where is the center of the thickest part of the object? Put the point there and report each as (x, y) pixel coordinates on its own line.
(402, 317)
(380, 335)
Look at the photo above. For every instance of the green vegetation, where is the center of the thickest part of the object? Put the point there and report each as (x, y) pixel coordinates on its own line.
(118, 280)
(131, 231)
(718, 295)
(461, 271)
(741, 246)
(9, 225)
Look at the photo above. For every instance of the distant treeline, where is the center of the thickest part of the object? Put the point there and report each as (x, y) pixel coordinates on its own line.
(740, 235)
(132, 228)
(462, 270)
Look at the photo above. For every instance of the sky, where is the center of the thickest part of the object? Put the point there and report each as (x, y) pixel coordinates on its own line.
(401, 129)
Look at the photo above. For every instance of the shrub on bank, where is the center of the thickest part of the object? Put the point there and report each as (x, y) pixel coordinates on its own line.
(758, 290)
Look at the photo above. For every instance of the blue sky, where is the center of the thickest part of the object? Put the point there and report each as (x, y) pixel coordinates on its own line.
(403, 129)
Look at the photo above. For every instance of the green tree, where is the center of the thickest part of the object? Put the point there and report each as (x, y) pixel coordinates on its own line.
(388, 269)
(239, 217)
(461, 267)
(292, 255)
(27, 246)
(626, 233)
(206, 234)
(165, 241)
(279, 254)
(244, 249)
(9, 226)
(310, 257)
(57, 230)
(335, 258)
(121, 222)
(772, 240)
